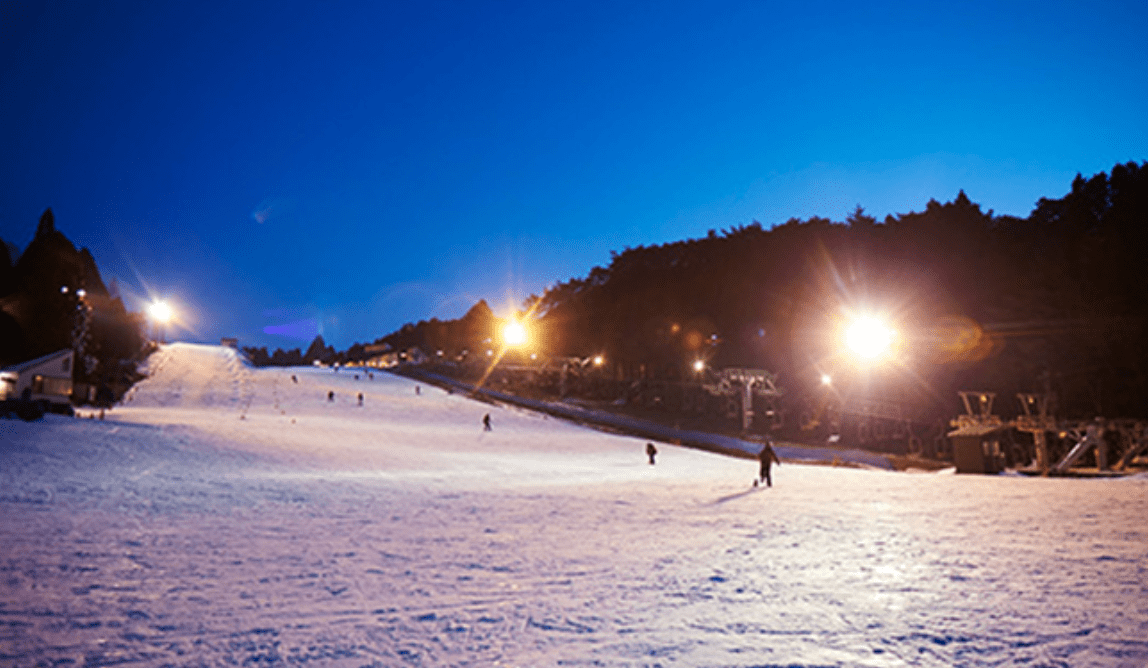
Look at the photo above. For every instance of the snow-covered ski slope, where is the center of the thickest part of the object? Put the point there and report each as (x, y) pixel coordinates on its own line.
(426, 435)
(232, 516)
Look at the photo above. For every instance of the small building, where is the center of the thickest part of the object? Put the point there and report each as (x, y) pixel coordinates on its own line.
(46, 378)
(381, 355)
(413, 355)
(977, 448)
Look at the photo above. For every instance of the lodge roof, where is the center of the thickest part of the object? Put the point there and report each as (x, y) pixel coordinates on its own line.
(24, 366)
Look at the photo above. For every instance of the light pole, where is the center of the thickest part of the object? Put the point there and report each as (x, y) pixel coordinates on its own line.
(873, 347)
(81, 321)
(161, 314)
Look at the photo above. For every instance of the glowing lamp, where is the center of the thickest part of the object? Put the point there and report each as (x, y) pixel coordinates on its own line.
(514, 334)
(826, 379)
(599, 360)
(160, 312)
(699, 365)
(868, 338)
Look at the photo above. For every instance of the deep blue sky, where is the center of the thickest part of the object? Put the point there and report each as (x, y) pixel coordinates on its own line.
(347, 168)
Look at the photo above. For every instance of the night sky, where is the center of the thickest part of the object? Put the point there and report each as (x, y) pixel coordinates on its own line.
(283, 169)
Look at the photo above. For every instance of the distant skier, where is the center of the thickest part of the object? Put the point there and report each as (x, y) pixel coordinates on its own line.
(486, 422)
(294, 378)
(651, 452)
(417, 390)
(767, 456)
(331, 395)
(360, 398)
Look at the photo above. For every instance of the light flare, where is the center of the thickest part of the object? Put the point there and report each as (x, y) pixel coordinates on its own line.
(514, 334)
(161, 312)
(869, 338)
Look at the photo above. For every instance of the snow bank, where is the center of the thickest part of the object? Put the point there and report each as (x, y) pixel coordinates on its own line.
(233, 516)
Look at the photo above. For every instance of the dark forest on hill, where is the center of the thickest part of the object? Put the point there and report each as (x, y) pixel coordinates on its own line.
(52, 298)
(1054, 302)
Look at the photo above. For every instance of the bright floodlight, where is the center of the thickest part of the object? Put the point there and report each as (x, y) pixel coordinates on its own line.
(599, 360)
(699, 365)
(826, 379)
(868, 338)
(514, 334)
(160, 312)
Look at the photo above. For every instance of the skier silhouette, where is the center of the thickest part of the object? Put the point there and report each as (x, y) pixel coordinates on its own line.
(360, 398)
(767, 456)
(486, 422)
(650, 452)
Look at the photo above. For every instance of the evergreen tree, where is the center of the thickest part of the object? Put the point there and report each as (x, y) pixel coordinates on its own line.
(58, 301)
(318, 351)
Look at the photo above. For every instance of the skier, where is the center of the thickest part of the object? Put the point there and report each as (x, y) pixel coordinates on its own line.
(360, 398)
(486, 422)
(417, 392)
(294, 379)
(650, 452)
(767, 456)
(331, 395)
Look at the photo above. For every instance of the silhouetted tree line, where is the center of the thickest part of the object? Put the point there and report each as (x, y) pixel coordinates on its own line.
(454, 338)
(318, 351)
(42, 310)
(1052, 302)
(471, 333)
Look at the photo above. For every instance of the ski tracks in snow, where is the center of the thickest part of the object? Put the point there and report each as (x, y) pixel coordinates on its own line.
(538, 544)
(186, 375)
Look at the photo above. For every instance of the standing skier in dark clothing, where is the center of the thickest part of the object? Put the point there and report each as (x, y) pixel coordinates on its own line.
(486, 422)
(767, 456)
(650, 452)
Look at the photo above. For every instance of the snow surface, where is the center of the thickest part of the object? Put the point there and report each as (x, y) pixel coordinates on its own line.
(230, 516)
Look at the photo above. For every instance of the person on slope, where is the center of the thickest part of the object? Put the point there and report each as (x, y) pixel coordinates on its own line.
(651, 451)
(486, 422)
(767, 456)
